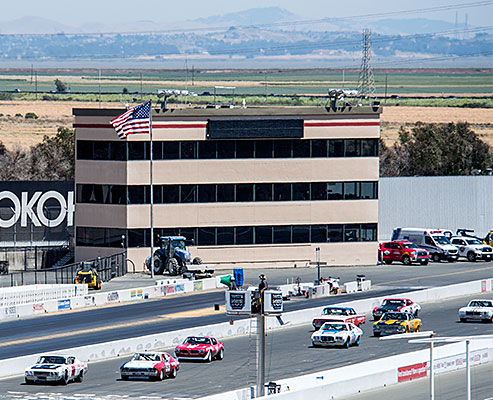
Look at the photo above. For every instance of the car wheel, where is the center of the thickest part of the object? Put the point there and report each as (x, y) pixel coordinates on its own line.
(64, 379)
(173, 266)
(462, 319)
(424, 262)
(172, 374)
(124, 377)
(157, 264)
(28, 381)
(220, 355)
(406, 260)
(388, 262)
(346, 344)
(436, 257)
(471, 256)
(80, 378)
(209, 357)
(357, 341)
(376, 334)
(417, 329)
(407, 329)
(416, 313)
(314, 344)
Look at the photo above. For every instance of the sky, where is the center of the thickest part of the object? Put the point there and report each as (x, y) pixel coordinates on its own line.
(79, 12)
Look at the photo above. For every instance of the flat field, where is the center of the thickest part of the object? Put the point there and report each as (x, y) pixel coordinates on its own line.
(18, 131)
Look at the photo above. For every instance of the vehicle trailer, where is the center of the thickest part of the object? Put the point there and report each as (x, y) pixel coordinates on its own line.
(173, 257)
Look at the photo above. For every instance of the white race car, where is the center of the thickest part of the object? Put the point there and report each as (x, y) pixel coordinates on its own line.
(337, 333)
(471, 248)
(55, 368)
(480, 309)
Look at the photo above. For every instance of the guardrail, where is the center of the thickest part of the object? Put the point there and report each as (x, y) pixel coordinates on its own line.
(108, 267)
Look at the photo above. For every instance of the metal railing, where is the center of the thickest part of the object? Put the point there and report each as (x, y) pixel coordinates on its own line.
(108, 268)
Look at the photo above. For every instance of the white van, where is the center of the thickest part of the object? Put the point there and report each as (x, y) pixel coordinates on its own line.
(433, 240)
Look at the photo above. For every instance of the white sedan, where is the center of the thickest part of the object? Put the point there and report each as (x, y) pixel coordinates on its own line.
(337, 333)
(481, 310)
(56, 368)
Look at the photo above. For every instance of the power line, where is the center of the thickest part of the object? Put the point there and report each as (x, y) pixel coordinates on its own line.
(269, 25)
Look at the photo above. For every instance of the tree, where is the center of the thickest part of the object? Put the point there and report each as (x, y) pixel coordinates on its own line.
(60, 86)
(433, 149)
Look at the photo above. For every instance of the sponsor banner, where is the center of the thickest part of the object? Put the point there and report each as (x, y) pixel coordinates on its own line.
(38, 308)
(198, 285)
(411, 372)
(136, 293)
(483, 286)
(90, 301)
(180, 288)
(11, 311)
(113, 296)
(458, 361)
(64, 304)
(168, 289)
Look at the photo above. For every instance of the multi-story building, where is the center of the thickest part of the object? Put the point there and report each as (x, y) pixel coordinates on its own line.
(252, 186)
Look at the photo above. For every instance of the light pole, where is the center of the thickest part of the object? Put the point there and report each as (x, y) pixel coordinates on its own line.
(318, 263)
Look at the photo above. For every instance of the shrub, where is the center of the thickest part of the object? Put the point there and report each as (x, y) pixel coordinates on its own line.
(18, 115)
(31, 115)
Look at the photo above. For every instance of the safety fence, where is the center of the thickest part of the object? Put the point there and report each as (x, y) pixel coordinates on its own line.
(108, 267)
(13, 296)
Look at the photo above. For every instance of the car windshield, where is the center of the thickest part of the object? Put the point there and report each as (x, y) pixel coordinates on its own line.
(481, 303)
(51, 360)
(334, 327)
(409, 246)
(394, 315)
(473, 241)
(146, 357)
(197, 340)
(393, 302)
(440, 239)
(335, 311)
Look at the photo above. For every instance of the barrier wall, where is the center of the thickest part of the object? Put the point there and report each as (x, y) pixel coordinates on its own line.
(17, 295)
(116, 348)
(79, 296)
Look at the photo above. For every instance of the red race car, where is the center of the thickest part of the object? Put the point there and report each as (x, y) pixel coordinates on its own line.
(203, 348)
(403, 251)
(346, 314)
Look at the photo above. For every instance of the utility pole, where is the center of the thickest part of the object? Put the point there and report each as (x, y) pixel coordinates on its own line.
(366, 85)
(193, 75)
(386, 77)
(36, 85)
(141, 95)
(100, 88)
(260, 386)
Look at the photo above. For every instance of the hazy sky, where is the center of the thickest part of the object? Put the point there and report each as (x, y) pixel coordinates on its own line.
(74, 12)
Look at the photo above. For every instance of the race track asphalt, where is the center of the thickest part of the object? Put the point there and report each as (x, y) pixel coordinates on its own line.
(289, 353)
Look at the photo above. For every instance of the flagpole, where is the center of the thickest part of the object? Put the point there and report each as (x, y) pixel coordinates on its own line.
(151, 192)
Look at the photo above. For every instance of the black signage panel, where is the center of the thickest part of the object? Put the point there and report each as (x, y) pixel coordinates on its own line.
(255, 128)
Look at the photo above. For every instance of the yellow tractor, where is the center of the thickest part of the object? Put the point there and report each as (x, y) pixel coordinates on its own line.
(489, 238)
(88, 274)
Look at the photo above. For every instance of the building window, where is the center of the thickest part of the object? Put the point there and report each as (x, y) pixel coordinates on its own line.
(226, 149)
(319, 148)
(171, 150)
(301, 149)
(188, 193)
(263, 234)
(263, 192)
(352, 148)
(207, 237)
(336, 148)
(245, 148)
(244, 235)
(226, 193)
(263, 149)
(282, 192)
(335, 191)
(207, 193)
(138, 151)
(225, 236)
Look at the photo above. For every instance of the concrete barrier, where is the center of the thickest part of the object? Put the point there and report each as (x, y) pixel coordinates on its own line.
(30, 294)
(102, 351)
(351, 287)
(365, 285)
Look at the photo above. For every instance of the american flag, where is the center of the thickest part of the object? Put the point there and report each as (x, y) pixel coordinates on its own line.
(135, 120)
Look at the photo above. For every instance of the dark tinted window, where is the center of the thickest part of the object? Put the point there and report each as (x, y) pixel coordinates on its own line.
(335, 190)
(188, 193)
(282, 234)
(188, 150)
(157, 193)
(282, 149)
(226, 149)
(225, 193)
(263, 192)
(244, 235)
(336, 148)
(138, 194)
(282, 192)
(319, 148)
(207, 150)
(138, 150)
(139, 237)
(353, 147)
(319, 191)
(244, 192)
(189, 234)
(301, 148)
(263, 234)
(171, 150)
(301, 191)
(369, 232)
(301, 234)
(318, 233)
(368, 190)
(85, 150)
(369, 147)
(263, 149)
(157, 150)
(334, 233)
(101, 150)
(351, 233)
(207, 193)
(118, 195)
(207, 237)
(171, 194)
(225, 236)
(351, 191)
(244, 148)
(118, 151)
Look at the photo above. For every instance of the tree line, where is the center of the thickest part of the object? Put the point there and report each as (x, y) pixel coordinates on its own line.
(422, 150)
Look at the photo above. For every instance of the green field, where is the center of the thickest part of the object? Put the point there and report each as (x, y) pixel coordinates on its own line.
(258, 87)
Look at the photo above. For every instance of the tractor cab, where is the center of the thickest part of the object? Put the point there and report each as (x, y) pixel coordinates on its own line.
(172, 256)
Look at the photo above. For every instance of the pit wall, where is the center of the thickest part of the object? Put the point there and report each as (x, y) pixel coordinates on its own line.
(78, 296)
(18, 295)
(101, 351)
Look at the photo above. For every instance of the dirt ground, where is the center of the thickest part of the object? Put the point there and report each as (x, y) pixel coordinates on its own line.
(18, 131)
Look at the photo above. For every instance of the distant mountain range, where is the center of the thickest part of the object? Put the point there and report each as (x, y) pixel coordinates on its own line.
(277, 17)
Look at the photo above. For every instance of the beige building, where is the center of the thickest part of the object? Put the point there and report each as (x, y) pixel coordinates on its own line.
(252, 186)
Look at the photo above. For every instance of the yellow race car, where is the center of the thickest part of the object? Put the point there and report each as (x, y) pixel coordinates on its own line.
(396, 322)
(87, 273)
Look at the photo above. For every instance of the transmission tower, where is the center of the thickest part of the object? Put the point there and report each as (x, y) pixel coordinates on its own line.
(366, 85)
